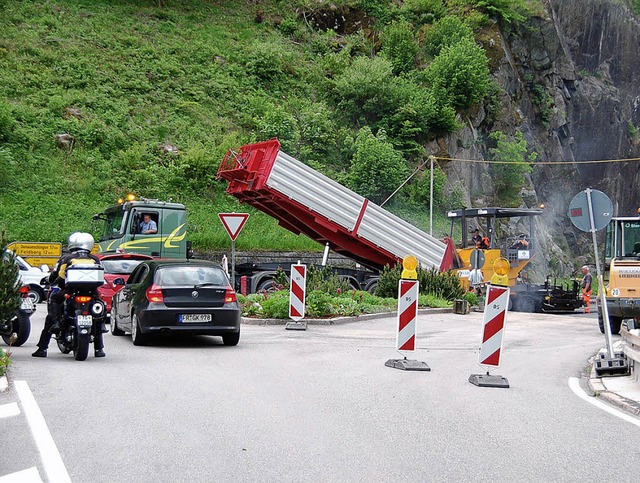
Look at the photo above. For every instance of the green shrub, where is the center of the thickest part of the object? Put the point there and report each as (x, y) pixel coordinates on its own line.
(471, 297)
(9, 285)
(509, 173)
(461, 73)
(323, 279)
(275, 305)
(433, 301)
(509, 11)
(362, 90)
(445, 32)
(377, 169)
(423, 11)
(399, 46)
(319, 304)
(5, 361)
(444, 285)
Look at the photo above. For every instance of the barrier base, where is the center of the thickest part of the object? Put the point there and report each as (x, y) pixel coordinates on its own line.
(407, 365)
(487, 380)
(296, 326)
(606, 366)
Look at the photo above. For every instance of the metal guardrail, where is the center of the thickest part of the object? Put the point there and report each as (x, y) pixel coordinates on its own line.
(631, 349)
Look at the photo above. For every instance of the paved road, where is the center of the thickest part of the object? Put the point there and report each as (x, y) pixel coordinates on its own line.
(320, 405)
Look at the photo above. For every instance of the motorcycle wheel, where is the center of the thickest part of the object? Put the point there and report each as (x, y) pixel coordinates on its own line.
(23, 330)
(63, 347)
(81, 348)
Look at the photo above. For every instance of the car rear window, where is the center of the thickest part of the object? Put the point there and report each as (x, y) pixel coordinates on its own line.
(120, 267)
(185, 275)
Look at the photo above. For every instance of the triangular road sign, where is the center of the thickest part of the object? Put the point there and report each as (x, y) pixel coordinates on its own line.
(233, 222)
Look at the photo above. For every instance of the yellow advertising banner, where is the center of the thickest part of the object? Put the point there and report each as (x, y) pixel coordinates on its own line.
(36, 249)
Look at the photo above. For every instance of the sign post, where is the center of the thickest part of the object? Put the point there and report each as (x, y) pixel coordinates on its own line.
(592, 210)
(37, 253)
(408, 294)
(297, 295)
(495, 317)
(233, 223)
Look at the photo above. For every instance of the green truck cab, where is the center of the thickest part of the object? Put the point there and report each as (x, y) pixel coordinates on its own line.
(121, 229)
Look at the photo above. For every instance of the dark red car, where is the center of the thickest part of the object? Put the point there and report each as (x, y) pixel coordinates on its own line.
(117, 265)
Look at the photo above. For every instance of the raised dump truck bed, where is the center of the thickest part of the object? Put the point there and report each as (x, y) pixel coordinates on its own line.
(305, 201)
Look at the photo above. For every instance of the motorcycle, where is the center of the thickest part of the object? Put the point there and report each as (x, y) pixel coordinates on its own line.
(17, 329)
(83, 312)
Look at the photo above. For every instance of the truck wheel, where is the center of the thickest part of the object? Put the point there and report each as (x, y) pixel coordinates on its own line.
(268, 285)
(615, 322)
(600, 322)
(372, 286)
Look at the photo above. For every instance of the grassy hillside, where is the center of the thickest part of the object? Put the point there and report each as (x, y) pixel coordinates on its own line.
(149, 95)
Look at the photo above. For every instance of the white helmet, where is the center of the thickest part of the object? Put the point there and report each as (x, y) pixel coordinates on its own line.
(80, 241)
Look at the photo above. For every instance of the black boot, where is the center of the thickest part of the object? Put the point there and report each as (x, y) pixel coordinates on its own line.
(99, 353)
(40, 353)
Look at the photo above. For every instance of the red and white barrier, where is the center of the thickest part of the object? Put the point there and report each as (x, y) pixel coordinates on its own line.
(297, 291)
(494, 321)
(408, 293)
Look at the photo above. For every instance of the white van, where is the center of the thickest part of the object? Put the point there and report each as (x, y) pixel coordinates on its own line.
(31, 276)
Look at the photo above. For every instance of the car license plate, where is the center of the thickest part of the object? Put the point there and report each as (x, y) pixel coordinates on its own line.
(26, 303)
(85, 320)
(191, 318)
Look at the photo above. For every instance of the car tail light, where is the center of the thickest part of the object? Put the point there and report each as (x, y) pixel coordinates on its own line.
(154, 294)
(83, 299)
(230, 296)
(24, 291)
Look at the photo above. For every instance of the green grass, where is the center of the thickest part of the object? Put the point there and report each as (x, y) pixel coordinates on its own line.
(125, 78)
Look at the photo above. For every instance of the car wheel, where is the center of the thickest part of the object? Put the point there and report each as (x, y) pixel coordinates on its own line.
(114, 325)
(231, 339)
(137, 336)
(35, 295)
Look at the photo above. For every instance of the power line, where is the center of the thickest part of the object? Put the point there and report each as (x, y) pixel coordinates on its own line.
(535, 163)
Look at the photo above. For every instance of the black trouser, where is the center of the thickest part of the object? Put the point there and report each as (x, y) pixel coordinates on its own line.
(54, 308)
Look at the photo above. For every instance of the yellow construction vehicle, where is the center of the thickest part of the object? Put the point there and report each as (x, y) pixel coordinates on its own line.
(519, 250)
(622, 271)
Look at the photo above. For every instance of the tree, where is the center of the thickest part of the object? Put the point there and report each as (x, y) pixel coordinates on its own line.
(399, 46)
(447, 31)
(509, 174)
(377, 169)
(9, 285)
(461, 73)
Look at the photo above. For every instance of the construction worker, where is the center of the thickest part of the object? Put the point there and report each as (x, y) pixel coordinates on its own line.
(587, 282)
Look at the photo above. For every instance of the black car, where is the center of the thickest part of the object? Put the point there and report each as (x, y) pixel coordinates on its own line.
(176, 297)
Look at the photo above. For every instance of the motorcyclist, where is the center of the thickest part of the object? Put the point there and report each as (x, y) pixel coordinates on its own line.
(80, 246)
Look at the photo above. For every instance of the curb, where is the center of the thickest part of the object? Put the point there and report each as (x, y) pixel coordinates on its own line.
(339, 320)
(600, 390)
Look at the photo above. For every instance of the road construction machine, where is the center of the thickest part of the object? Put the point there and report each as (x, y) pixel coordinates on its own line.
(622, 272)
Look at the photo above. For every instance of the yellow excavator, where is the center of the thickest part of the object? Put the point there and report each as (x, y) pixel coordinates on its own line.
(622, 271)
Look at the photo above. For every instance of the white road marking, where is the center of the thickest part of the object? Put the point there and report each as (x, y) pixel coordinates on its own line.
(51, 459)
(574, 384)
(30, 475)
(8, 410)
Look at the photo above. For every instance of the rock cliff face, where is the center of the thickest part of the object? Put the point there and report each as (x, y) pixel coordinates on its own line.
(570, 80)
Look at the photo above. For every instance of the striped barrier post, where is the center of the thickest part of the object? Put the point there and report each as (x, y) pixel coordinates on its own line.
(408, 294)
(297, 293)
(495, 316)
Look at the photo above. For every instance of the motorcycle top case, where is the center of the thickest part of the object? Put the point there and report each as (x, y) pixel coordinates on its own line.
(84, 276)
